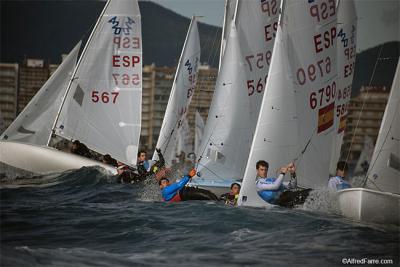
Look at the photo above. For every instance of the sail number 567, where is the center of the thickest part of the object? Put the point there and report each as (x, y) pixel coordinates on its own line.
(104, 97)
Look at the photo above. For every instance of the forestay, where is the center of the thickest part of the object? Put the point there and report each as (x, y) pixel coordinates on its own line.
(239, 89)
(34, 124)
(181, 94)
(297, 113)
(103, 105)
(346, 59)
(384, 169)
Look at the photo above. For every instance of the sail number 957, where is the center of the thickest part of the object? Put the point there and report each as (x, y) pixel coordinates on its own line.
(104, 97)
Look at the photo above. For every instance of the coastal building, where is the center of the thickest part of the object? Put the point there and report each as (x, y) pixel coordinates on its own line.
(8, 94)
(32, 75)
(364, 117)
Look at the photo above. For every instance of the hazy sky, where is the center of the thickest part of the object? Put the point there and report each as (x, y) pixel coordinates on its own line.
(378, 19)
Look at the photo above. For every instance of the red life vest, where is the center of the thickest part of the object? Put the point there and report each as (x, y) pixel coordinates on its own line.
(176, 198)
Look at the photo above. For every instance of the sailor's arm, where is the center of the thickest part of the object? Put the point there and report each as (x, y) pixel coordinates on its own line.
(274, 186)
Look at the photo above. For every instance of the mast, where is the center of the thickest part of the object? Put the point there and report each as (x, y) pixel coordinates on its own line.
(75, 70)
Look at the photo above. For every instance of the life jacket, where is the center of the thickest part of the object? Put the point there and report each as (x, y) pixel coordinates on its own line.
(176, 198)
(270, 196)
(342, 184)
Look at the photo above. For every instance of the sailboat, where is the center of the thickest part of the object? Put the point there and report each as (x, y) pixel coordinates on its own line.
(295, 123)
(181, 94)
(238, 93)
(346, 58)
(101, 103)
(379, 200)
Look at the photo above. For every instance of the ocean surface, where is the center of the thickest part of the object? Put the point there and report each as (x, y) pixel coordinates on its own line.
(85, 218)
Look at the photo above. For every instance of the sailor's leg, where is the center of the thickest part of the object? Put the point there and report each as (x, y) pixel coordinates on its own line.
(192, 193)
(291, 198)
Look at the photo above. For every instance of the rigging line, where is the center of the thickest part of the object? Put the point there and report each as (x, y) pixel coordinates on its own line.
(217, 176)
(213, 53)
(379, 152)
(362, 107)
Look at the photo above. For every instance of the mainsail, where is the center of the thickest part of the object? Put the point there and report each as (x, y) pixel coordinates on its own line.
(346, 59)
(230, 8)
(181, 93)
(183, 141)
(34, 124)
(297, 113)
(199, 130)
(102, 107)
(239, 89)
(384, 170)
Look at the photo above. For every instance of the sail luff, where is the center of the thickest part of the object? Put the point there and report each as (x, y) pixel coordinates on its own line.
(75, 70)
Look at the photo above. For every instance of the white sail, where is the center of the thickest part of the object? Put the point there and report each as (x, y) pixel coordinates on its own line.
(365, 156)
(384, 169)
(184, 145)
(296, 117)
(103, 106)
(199, 131)
(230, 7)
(181, 93)
(34, 124)
(239, 89)
(346, 59)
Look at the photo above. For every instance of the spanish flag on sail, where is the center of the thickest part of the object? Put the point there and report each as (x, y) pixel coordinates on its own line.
(325, 117)
(342, 124)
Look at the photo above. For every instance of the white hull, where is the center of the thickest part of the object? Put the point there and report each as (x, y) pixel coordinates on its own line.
(42, 159)
(369, 205)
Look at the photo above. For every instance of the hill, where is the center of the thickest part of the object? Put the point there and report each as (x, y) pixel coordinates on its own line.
(46, 29)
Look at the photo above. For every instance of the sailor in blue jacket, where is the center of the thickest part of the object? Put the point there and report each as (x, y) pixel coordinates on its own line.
(339, 182)
(270, 189)
(178, 192)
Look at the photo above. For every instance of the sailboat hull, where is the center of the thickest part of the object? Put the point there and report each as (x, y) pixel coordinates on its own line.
(368, 205)
(42, 159)
(216, 186)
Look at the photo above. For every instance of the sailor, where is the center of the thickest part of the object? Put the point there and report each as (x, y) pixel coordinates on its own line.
(339, 182)
(80, 149)
(143, 165)
(232, 197)
(107, 159)
(275, 191)
(175, 192)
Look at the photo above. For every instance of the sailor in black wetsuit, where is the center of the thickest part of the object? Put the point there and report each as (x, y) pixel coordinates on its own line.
(130, 175)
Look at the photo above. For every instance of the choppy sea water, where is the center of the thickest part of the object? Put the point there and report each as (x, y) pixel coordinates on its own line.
(85, 218)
